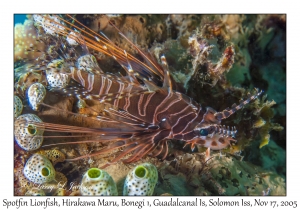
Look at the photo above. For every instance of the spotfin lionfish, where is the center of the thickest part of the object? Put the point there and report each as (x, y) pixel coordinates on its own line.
(144, 101)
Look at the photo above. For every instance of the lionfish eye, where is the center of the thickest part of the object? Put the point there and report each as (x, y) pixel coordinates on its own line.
(203, 132)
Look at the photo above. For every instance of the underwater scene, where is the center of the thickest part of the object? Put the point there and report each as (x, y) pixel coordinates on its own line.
(150, 105)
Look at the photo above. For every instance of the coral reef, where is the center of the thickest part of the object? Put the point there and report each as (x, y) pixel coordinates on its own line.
(243, 178)
(220, 175)
(271, 157)
(264, 121)
(181, 24)
(54, 155)
(216, 60)
(202, 66)
(27, 46)
(47, 24)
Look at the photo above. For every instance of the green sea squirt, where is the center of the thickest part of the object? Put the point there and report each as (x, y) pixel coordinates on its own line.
(97, 182)
(38, 169)
(28, 136)
(141, 180)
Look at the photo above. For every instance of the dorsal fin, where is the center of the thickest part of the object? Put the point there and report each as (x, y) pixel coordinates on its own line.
(97, 42)
(128, 68)
(167, 79)
(134, 69)
(150, 85)
(154, 66)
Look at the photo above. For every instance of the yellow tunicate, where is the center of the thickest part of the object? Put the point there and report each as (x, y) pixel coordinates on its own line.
(259, 123)
(54, 155)
(265, 141)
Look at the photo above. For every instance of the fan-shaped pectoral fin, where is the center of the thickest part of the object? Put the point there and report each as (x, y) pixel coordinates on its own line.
(207, 154)
(194, 141)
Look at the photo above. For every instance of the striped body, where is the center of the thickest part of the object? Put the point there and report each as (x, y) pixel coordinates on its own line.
(170, 112)
(163, 114)
(102, 84)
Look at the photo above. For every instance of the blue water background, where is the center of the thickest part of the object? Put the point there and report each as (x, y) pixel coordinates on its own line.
(19, 18)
